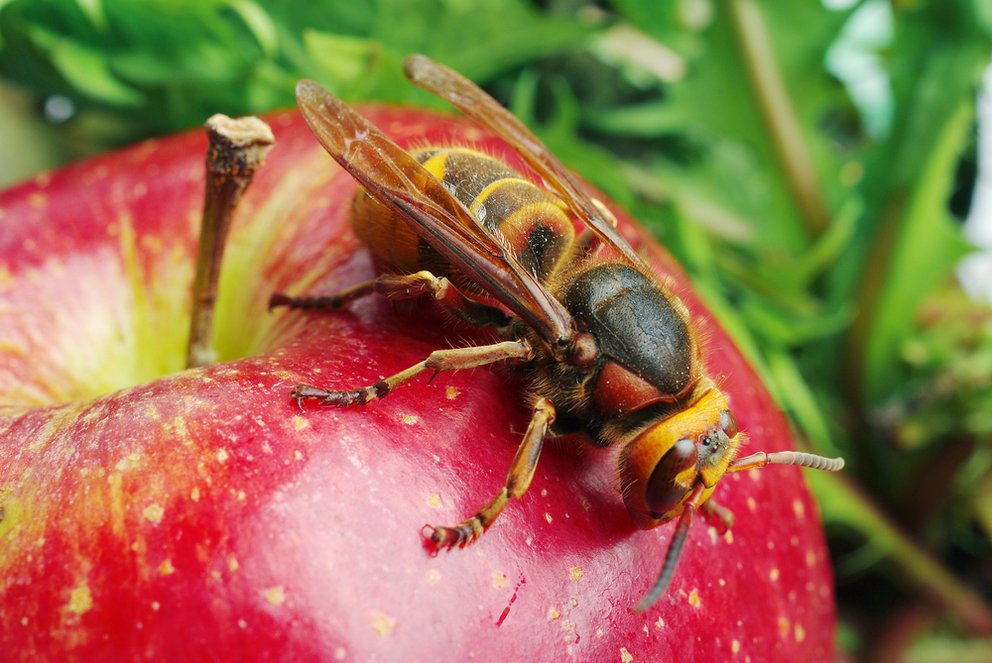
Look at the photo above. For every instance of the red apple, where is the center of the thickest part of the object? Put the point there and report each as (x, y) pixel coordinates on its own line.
(200, 514)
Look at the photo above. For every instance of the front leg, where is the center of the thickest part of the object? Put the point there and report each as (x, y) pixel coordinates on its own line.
(517, 481)
(717, 515)
(439, 360)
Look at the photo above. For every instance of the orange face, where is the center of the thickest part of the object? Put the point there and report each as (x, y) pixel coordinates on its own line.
(660, 467)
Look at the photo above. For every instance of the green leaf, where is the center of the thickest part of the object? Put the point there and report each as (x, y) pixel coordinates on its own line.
(93, 10)
(926, 246)
(935, 64)
(88, 70)
(259, 22)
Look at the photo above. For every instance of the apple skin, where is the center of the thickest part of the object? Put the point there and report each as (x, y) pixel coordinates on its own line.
(201, 515)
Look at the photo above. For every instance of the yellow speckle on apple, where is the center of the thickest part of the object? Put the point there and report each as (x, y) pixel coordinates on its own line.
(382, 624)
(80, 600)
(276, 595)
(153, 513)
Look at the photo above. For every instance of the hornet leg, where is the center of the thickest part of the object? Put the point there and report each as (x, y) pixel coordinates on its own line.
(717, 515)
(439, 360)
(517, 481)
(399, 287)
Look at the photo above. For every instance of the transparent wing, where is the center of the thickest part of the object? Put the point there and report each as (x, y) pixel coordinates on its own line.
(396, 179)
(470, 99)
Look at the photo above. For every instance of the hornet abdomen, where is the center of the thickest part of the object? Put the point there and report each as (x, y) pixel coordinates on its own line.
(532, 224)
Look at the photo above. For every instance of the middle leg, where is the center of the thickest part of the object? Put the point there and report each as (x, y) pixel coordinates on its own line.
(517, 482)
(439, 360)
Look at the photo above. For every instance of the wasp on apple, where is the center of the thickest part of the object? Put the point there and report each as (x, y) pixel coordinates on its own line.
(609, 351)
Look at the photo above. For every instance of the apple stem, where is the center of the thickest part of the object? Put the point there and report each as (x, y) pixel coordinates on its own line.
(237, 149)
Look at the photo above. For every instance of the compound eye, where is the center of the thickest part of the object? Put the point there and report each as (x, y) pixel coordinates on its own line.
(663, 493)
(728, 423)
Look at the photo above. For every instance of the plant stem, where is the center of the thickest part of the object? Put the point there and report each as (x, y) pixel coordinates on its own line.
(842, 501)
(237, 149)
(778, 113)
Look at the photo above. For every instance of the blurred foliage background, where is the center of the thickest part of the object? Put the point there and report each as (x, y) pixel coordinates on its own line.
(810, 163)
